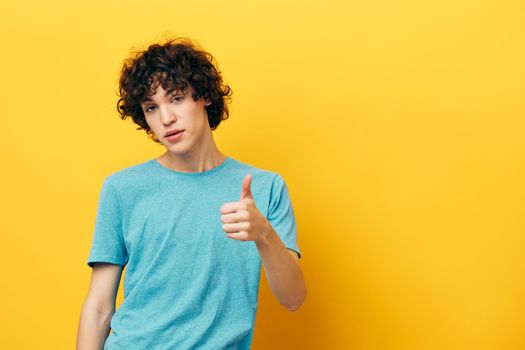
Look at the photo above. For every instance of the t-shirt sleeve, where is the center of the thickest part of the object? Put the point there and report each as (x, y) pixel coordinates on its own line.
(281, 215)
(108, 243)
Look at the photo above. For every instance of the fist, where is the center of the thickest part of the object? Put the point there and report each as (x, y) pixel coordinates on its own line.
(242, 220)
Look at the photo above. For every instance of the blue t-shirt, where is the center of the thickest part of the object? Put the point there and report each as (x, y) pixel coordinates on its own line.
(187, 285)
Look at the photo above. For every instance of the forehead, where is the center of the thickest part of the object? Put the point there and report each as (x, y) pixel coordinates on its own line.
(156, 90)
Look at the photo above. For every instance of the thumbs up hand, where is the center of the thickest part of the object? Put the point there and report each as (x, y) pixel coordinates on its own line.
(242, 220)
(246, 187)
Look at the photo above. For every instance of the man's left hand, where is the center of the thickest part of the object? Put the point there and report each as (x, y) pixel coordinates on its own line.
(242, 220)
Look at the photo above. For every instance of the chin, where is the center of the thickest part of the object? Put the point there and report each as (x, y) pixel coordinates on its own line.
(176, 149)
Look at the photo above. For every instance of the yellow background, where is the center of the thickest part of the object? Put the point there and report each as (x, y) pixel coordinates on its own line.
(398, 126)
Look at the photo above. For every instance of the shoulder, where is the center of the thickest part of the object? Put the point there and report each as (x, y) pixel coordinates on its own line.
(259, 174)
(127, 176)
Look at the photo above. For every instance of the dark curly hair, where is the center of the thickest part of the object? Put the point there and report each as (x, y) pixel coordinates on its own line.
(174, 64)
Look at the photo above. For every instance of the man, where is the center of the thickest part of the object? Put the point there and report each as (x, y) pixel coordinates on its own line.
(193, 226)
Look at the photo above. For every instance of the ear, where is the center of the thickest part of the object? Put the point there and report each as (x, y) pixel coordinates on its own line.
(207, 102)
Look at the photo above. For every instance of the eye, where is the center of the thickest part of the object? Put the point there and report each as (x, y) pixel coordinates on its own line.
(178, 98)
(148, 109)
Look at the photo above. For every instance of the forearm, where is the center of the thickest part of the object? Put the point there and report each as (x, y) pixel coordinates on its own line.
(282, 270)
(93, 328)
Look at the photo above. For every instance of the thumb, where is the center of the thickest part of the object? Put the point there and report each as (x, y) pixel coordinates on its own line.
(246, 187)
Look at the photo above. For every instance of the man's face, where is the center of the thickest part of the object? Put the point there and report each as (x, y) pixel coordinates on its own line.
(165, 112)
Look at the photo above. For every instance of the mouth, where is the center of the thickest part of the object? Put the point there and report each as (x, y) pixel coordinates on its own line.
(172, 132)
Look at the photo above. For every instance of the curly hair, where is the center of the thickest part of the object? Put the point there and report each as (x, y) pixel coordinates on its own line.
(174, 64)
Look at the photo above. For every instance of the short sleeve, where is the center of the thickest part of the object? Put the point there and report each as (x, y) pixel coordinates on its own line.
(108, 243)
(281, 215)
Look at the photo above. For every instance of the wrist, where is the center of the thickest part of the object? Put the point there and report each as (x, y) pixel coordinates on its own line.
(264, 236)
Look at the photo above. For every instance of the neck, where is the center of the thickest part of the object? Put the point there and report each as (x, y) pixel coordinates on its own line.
(202, 160)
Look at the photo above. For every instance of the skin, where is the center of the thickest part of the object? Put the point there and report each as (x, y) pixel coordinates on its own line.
(196, 151)
(98, 307)
(243, 221)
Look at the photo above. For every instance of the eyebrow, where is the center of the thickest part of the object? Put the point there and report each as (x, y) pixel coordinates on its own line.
(147, 99)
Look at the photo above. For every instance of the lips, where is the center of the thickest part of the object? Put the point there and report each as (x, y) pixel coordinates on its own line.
(172, 132)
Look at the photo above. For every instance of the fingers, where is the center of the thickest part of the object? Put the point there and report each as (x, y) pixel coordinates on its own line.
(239, 236)
(232, 207)
(246, 187)
(238, 216)
(236, 227)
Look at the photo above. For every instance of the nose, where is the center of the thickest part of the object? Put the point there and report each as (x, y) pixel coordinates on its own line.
(167, 115)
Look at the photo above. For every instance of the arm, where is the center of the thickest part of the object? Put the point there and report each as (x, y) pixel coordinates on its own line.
(243, 221)
(282, 269)
(99, 306)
